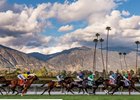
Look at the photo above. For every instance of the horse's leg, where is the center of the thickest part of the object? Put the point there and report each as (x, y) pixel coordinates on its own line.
(86, 90)
(129, 90)
(94, 89)
(21, 88)
(44, 91)
(83, 90)
(133, 87)
(17, 92)
(49, 91)
(121, 88)
(1, 92)
(116, 89)
(79, 90)
(62, 89)
(13, 91)
(8, 90)
(105, 89)
(71, 91)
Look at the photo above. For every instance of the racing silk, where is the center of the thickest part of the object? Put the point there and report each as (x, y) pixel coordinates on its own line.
(25, 75)
(21, 77)
(114, 76)
(129, 76)
(111, 79)
(81, 75)
(91, 77)
(59, 77)
(126, 80)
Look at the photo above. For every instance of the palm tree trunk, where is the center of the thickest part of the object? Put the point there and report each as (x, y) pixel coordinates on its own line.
(107, 52)
(102, 57)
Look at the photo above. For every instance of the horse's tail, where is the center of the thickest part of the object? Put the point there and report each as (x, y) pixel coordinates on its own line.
(5, 85)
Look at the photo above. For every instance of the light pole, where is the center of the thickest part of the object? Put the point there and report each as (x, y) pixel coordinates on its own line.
(120, 54)
(108, 29)
(124, 54)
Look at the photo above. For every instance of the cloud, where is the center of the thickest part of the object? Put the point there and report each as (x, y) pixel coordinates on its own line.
(124, 31)
(29, 20)
(21, 26)
(2, 3)
(80, 9)
(66, 28)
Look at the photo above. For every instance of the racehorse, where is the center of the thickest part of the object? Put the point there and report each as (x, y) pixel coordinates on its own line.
(106, 85)
(28, 83)
(2, 81)
(16, 83)
(83, 85)
(63, 84)
(121, 83)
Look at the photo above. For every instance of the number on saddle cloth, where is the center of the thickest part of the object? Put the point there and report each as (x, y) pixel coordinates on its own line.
(90, 83)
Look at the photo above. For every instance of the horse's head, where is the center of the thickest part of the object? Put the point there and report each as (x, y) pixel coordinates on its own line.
(69, 80)
(135, 79)
(2, 79)
(119, 78)
(33, 76)
(100, 80)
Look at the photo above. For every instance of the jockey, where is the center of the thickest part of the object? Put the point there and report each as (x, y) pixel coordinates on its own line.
(129, 75)
(112, 78)
(126, 80)
(91, 79)
(60, 77)
(23, 77)
(80, 76)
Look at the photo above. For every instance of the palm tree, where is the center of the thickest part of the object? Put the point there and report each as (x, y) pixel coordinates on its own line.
(97, 35)
(137, 43)
(124, 54)
(120, 59)
(101, 41)
(108, 29)
(94, 56)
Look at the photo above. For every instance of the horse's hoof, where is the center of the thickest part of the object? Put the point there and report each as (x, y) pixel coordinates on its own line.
(106, 91)
(110, 93)
(88, 94)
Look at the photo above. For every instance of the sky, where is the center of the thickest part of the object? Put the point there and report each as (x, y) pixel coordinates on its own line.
(50, 26)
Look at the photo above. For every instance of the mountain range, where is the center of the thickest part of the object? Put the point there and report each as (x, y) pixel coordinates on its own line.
(79, 58)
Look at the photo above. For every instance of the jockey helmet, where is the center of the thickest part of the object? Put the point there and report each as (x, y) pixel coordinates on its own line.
(28, 72)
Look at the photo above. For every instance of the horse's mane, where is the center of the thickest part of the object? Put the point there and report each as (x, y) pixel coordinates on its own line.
(68, 77)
